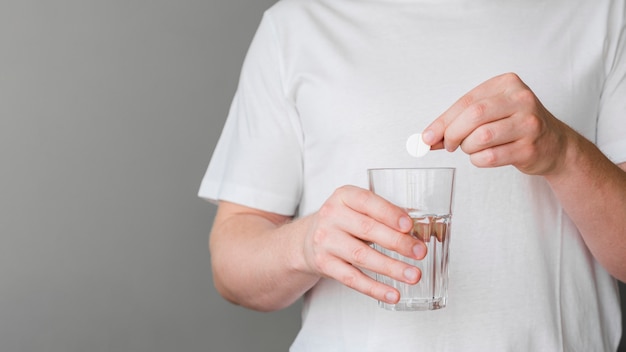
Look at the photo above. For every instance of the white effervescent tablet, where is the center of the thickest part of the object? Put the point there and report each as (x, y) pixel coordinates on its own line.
(416, 146)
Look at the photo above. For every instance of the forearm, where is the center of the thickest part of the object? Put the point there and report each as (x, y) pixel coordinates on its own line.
(254, 261)
(592, 190)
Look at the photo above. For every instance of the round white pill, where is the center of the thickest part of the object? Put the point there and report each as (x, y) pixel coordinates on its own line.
(416, 146)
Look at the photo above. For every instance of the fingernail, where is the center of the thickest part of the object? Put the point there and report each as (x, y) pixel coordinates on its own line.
(428, 137)
(411, 274)
(391, 297)
(405, 223)
(419, 250)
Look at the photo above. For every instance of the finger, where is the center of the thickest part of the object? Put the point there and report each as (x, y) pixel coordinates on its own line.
(355, 211)
(363, 256)
(501, 155)
(437, 146)
(357, 280)
(434, 133)
(502, 131)
(338, 243)
(479, 113)
(370, 230)
(368, 203)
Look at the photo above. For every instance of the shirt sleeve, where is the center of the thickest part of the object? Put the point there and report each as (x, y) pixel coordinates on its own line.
(258, 159)
(611, 135)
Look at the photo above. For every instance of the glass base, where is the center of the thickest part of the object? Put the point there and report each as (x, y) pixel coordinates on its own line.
(414, 304)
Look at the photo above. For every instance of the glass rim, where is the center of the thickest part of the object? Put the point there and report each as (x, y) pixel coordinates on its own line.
(410, 168)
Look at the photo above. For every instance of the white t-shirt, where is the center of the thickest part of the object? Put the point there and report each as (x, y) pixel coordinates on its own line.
(330, 88)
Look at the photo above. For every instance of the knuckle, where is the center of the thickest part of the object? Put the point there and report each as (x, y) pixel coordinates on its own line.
(485, 135)
(466, 100)
(386, 211)
(398, 241)
(351, 196)
(370, 290)
(360, 255)
(326, 211)
(486, 158)
(511, 77)
(342, 192)
(338, 193)
(363, 198)
(343, 189)
(491, 159)
(532, 124)
(524, 96)
(477, 111)
(350, 279)
(323, 211)
(450, 138)
(391, 268)
(366, 226)
(319, 237)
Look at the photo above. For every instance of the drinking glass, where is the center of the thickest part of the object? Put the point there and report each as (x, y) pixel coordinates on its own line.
(426, 194)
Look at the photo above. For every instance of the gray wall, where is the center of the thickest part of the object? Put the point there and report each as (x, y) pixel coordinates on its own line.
(109, 111)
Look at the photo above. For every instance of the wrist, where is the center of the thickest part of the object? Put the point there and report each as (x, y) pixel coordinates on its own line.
(296, 247)
(567, 156)
(575, 157)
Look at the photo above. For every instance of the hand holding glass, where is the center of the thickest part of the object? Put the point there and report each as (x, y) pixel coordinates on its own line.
(426, 194)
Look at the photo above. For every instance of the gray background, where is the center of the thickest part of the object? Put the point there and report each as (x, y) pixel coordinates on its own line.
(109, 111)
